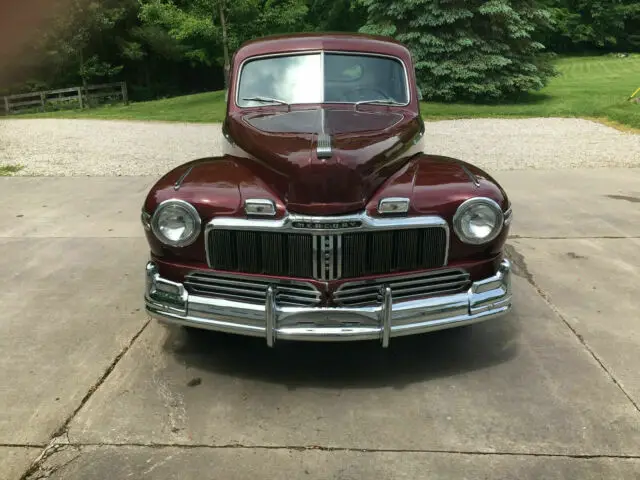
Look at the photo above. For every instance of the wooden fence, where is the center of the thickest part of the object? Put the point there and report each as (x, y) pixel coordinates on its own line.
(83, 97)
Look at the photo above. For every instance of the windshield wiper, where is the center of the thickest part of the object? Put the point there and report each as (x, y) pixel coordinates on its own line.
(265, 100)
(380, 101)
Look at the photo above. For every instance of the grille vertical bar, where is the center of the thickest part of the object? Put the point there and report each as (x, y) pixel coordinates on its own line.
(323, 252)
(316, 251)
(338, 256)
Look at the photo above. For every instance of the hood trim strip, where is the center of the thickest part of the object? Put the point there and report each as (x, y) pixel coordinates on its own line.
(323, 148)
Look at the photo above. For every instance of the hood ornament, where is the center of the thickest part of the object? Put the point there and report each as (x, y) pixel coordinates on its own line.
(323, 150)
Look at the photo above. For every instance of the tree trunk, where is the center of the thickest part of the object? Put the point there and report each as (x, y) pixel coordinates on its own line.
(225, 43)
(82, 91)
(82, 76)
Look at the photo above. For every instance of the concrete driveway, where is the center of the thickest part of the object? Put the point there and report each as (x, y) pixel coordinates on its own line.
(89, 388)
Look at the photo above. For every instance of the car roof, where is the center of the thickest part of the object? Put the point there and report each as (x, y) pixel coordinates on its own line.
(300, 42)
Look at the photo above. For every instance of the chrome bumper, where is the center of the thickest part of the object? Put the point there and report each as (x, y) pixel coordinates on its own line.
(169, 302)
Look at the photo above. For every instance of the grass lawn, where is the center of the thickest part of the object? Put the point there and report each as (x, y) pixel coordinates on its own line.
(589, 87)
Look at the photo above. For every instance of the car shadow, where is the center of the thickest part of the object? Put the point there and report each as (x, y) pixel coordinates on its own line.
(348, 364)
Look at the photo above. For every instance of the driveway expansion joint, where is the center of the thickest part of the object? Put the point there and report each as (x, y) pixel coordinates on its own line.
(60, 439)
(304, 448)
(22, 445)
(521, 269)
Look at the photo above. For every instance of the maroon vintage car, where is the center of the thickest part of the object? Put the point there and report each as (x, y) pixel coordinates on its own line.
(324, 219)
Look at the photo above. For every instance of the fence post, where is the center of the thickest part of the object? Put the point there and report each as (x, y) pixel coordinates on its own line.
(42, 100)
(125, 95)
(80, 98)
(6, 105)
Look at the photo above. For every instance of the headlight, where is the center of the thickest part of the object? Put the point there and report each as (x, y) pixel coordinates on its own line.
(478, 220)
(176, 223)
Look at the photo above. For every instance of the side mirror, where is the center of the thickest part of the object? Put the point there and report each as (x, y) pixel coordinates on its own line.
(420, 96)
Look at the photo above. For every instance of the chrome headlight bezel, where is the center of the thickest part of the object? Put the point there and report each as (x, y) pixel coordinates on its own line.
(189, 210)
(470, 203)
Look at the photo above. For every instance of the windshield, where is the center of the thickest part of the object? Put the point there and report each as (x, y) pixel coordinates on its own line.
(318, 78)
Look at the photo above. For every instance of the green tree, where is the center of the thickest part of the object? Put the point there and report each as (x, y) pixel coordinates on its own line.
(474, 50)
(72, 43)
(588, 24)
(210, 30)
(335, 16)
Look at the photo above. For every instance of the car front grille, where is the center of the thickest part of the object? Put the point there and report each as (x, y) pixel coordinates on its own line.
(327, 257)
(251, 290)
(406, 287)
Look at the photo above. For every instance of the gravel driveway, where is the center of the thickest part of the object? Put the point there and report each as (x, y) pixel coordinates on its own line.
(53, 147)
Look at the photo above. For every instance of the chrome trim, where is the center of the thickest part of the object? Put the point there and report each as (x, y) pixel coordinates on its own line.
(322, 52)
(314, 243)
(471, 176)
(270, 316)
(178, 184)
(420, 134)
(485, 299)
(406, 277)
(250, 287)
(190, 209)
(387, 200)
(323, 147)
(330, 258)
(385, 316)
(323, 253)
(487, 201)
(260, 202)
(145, 219)
(225, 132)
(363, 222)
(508, 216)
(330, 255)
(339, 257)
(356, 292)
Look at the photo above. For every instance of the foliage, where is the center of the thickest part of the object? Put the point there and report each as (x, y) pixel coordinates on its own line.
(589, 24)
(8, 170)
(480, 50)
(592, 87)
(467, 49)
(67, 43)
(197, 25)
(335, 15)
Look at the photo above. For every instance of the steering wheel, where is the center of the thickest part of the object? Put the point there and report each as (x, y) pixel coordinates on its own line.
(365, 93)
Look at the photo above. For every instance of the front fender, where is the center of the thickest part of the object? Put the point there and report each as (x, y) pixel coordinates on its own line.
(437, 185)
(215, 186)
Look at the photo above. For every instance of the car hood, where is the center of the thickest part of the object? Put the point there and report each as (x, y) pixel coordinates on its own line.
(219, 186)
(366, 148)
